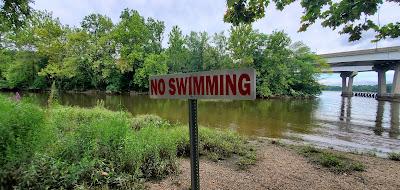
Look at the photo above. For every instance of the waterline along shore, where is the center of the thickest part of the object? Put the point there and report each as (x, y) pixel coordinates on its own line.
(357, 123)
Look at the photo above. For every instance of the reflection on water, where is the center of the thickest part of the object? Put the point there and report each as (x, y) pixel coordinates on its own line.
(329, 120)
(394, 120)
(356, 123)
(379, 118)
(345, 110)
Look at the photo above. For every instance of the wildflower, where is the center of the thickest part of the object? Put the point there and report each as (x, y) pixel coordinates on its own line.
(17, 97)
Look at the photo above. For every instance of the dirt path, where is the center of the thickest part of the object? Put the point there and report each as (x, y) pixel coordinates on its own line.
(282, 168)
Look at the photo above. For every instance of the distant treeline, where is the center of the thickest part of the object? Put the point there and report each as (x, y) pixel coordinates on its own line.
(118, 57)
(358, 88)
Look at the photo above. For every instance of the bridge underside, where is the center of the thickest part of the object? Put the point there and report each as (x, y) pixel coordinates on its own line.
(360, 66)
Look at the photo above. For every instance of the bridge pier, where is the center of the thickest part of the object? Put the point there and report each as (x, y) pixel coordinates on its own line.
(396, 81)
(347, 85)
(382, 89)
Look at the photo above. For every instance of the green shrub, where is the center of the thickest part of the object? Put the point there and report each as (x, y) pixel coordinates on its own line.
(67, 119)
(394, 156)
(21, 124)
(71, 147)
(141, 121)
(153, 151)
(336, 162)
(249, 158)
(223, 143)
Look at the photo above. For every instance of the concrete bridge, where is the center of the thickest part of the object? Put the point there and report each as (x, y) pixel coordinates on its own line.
(380, 60)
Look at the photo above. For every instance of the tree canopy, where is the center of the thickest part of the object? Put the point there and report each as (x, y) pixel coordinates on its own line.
(13, 13)
(352, 16)
(120, 57)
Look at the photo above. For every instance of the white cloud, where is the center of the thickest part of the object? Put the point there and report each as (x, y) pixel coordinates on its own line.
(207, 15)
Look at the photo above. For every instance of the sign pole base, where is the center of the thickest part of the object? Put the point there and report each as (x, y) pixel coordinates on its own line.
(194, 141)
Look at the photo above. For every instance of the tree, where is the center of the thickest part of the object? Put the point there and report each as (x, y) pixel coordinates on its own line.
(286, 68)
(50, 42)
(101, 50)
(217, 54)
(176, 52)
(156, 31)
(131, 35)
(13, 14)
(22, 73)
(305, 69)
(31, 46)
(245, 43)
(354, 16)
(153, 65)
(6, 59)
(97, 24)
(120, 57)
(274, 71)
(196, 43)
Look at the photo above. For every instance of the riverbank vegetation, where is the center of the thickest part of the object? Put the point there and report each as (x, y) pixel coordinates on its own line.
(71, 147)
(394, 156)
(118, 57)
(334, 161)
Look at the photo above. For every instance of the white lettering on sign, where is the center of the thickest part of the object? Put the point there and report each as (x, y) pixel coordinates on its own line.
(224, 84)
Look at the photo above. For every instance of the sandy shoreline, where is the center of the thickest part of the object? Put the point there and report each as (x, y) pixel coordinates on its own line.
(280, 167)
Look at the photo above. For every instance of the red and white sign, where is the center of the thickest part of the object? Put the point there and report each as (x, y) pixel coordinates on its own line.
(224, 84)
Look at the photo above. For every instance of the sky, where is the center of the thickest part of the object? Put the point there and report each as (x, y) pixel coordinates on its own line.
(207, 15)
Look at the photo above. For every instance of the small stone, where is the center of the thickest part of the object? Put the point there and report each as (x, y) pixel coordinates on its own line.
(104, 174)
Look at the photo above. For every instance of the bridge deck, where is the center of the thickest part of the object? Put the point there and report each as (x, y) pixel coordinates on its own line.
(362, 60)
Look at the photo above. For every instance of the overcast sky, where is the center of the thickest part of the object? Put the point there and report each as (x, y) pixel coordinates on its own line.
(207, 15)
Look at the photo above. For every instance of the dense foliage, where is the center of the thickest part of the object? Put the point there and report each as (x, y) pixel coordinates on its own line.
(118, 57)
(74, 148)
(13, 13)
(353, 16)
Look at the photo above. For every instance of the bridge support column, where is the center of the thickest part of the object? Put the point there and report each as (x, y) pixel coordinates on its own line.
(347, 85)
(382, 91)
(344, 83)
(396, 81)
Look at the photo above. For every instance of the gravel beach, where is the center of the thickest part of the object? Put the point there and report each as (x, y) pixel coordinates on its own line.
(280, 167)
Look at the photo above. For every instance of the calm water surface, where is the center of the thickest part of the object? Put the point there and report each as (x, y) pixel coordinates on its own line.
(356, 123)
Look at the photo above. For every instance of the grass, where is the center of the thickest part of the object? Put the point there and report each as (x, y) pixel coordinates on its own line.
(246, 160)
(394, 156)
(70, 147)
(335, 162)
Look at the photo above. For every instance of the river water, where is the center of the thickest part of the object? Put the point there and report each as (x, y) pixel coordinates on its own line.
(353, 124)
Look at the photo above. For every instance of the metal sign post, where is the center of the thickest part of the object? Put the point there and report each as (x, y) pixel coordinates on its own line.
(235, 84)
(194, 147)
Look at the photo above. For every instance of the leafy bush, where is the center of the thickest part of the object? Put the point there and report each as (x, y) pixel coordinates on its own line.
(71, 147)
(222, 143)
(20, 129)
(147, 120)
(394, 156)
(335, 162)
